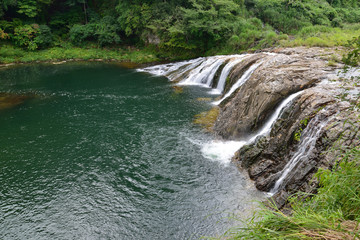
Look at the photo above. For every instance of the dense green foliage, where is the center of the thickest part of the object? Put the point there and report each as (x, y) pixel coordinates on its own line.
(353, 57)
(195, 26)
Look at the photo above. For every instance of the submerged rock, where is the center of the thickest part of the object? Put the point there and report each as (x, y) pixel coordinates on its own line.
(207, 119)
(10, 100)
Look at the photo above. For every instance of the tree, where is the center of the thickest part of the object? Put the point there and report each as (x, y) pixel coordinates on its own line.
(206, 22)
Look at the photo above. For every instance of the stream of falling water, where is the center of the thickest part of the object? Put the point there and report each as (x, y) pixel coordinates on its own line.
(246, 76)
(305, 148)
(199, 71)
(227, 149)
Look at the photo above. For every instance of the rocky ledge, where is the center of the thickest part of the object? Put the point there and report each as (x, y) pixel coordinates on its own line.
(327, 98)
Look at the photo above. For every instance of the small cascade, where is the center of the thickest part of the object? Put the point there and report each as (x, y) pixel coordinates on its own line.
(169, 68)
(223, 151)
(266, 129)
(226, 70)
(306, 147)
(199, 71)
(203, 74)
(240, 82)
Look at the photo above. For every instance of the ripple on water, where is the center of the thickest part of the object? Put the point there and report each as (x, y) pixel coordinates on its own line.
(109, 155)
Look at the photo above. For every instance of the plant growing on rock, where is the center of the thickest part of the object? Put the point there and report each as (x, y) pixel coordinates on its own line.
(303, 124)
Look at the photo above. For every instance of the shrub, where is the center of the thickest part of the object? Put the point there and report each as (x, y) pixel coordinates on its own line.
(24, 36)
(8, 26)
(32, 36)
(3, 35)
(104, 32)
(337, 22)
(44, 37)
(81, 33)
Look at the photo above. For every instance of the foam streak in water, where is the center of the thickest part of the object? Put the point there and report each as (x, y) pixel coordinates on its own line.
(306, 147)
(240, 82)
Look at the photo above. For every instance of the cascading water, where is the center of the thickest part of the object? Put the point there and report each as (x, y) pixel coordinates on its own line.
(169, 68)
(216, 148)
(199, 71)
(202, 71)
(266, 129)
(306, 147)
(203, 75)
(240, 82)
(225, 73)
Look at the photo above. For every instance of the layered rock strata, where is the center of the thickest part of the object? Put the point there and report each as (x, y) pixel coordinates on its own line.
(281, 74)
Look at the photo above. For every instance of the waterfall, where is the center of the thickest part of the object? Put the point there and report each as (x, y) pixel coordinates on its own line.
(203, 74)
(305, 148)
(217, 149)
(202, 71)
(199, 71)
(169, 68)
(226, 70)
(240, 82)
(266, 129)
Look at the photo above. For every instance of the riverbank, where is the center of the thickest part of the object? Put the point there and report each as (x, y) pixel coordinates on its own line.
(314, 36)
(129, 56)
(311, 158)
(11, 54)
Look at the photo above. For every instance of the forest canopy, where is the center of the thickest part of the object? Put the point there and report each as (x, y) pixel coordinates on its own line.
(176, 25)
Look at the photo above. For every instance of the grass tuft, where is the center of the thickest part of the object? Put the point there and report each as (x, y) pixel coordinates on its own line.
(332, 214)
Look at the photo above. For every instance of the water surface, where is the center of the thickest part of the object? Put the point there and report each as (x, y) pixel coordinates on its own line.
(105, 152)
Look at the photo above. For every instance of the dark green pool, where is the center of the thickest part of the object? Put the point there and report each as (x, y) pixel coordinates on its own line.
(104, 152)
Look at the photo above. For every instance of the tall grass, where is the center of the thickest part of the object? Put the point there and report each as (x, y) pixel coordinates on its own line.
(333, 213)
(323, 36)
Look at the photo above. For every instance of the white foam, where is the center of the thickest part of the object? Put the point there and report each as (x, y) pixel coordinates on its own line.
(221, 151)
(214, 92)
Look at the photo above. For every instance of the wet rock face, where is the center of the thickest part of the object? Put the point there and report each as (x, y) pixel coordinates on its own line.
(240, 69)
(279, 76)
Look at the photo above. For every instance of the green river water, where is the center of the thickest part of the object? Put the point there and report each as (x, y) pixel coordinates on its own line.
(104, 152)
